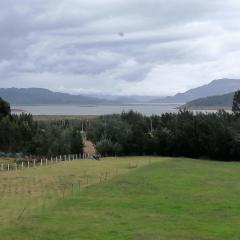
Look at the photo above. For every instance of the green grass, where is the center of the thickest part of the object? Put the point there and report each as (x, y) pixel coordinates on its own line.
(149, 198)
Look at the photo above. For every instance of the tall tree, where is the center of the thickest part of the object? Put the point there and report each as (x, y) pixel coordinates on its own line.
(236, 103)
(4, 108)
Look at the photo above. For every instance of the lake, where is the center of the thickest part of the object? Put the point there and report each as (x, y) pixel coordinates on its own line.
(146, 109)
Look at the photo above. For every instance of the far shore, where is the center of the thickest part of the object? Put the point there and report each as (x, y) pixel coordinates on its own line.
(208, 108)
(16, 110)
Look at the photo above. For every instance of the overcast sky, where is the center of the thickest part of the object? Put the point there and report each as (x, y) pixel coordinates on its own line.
(140, 47)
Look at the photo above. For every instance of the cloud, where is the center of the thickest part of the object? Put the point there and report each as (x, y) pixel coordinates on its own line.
(167, 46)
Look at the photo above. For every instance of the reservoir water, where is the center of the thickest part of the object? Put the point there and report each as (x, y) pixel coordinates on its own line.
(146, 109)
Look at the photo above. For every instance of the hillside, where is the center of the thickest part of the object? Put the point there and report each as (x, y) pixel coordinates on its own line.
(216, 87)
(28, 96)
(219, 101)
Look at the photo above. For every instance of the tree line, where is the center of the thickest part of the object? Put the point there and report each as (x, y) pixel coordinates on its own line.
(21, 134)
(200, 135)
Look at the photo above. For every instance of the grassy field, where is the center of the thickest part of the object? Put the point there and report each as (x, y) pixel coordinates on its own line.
(126, 198)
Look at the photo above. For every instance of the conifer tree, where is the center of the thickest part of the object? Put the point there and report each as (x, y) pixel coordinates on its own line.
(236, 103)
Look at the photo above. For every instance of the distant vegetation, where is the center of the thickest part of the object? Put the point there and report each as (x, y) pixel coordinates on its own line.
(219, 101)
(214, 135)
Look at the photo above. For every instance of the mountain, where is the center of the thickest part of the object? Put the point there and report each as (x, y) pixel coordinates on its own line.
(216, 87)
(212, 102)
(125, 99)
(28, 96)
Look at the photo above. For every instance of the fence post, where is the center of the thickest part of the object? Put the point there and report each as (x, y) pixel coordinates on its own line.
(28, 164)
(60, 158)
(22, 165)
(56, 159)
(46, 162)
(34, 163)
(8, 167)
(41, 162)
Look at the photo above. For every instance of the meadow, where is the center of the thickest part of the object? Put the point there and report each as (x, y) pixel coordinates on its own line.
(122, 198)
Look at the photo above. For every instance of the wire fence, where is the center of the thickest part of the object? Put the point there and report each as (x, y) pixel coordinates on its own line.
(36, 162)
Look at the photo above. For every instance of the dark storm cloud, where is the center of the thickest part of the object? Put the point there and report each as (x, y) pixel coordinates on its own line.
(77, 44)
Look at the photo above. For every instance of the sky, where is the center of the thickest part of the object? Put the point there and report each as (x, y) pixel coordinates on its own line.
(119, 47)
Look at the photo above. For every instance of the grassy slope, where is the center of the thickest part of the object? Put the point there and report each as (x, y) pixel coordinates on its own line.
(171, 199)
(41, 187)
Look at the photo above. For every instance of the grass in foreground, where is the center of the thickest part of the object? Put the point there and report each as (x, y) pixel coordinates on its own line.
(169, 199)
(40, 187)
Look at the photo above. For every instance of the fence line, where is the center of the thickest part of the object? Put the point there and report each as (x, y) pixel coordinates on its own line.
(20, 165)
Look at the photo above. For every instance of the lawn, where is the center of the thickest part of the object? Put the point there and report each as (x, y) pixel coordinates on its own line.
(125, 198)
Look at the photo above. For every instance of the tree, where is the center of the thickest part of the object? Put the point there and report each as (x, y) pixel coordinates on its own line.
(236, 103)
(117, 149)
(76, 142)
(4, 108)
(104, 147)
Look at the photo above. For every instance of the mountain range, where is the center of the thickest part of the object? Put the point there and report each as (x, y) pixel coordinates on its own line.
(216, 87)
(41, 96)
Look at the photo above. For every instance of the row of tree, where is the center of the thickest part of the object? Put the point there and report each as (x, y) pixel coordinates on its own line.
(20, 133)
(214, 135)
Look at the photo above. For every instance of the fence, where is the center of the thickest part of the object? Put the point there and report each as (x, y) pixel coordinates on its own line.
(20, 165)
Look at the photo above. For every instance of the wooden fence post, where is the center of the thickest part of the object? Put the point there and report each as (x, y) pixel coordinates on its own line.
(41, 162)
(34, 163)
(28, 164)
(8, 167)
(22, 165)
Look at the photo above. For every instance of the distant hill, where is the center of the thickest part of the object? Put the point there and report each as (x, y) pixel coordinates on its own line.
(32, 96)
(212, 102)
(216, 87)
